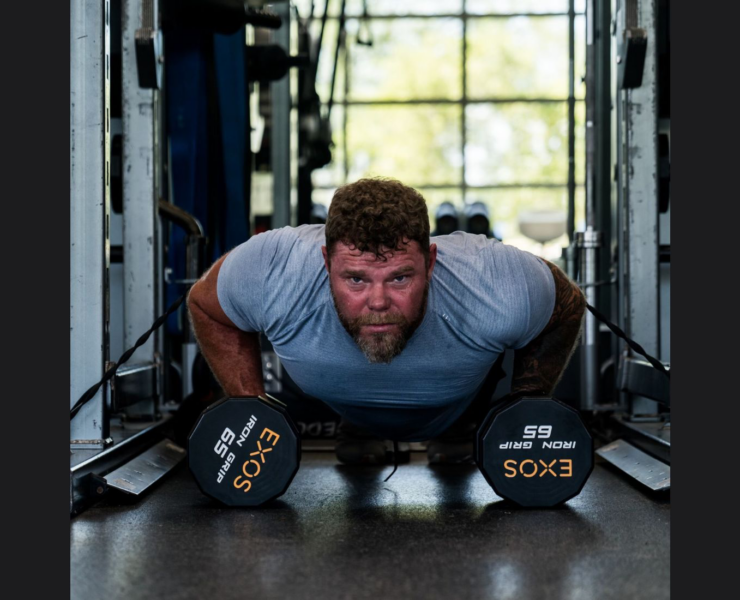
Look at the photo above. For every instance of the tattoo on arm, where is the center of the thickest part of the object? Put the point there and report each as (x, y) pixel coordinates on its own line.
(540, 364)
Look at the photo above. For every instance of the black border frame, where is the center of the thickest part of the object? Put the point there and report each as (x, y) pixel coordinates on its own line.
(704, 215)
(36, 286)
(703, 300)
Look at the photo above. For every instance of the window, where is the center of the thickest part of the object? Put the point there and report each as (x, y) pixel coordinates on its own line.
(465, 100)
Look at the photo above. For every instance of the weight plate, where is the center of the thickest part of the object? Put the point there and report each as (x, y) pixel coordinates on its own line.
(535, 452)
(244, 451)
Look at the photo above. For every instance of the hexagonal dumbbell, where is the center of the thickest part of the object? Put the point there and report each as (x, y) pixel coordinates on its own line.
(244, 451)
(535, 451)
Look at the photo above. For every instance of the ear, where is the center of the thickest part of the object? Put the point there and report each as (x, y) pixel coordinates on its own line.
(325, 254)
(432, 260)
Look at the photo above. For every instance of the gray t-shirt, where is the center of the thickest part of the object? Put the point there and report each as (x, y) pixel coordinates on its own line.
(484, 298)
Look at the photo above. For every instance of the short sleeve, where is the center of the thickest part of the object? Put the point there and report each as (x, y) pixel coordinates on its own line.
(524, 285)
(240, 283)
(270, 281)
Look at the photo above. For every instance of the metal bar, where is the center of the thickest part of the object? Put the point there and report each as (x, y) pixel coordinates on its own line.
(161, 190)
(637, 464)
(139, 199)
(603, 171)
(89, 214)
(621, 232)
(337, 48)
(500, 186)
(588, 243)
(181, 217)
(451, 101)
(571, 122)
(462, 15)
(464, 102)
(280, 130)
(641, 157)
(320, 39)
(82, 492)
(195, 265)
(141, 473)
(590, 115)
(590, 240)
(345, 120)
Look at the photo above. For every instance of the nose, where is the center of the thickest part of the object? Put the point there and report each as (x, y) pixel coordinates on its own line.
(378, 299)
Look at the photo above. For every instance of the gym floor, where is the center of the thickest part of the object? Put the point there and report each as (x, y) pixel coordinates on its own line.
(340, 532)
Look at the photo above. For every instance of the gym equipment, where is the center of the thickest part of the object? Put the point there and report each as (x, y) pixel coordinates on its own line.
(446, 219)
(478, 219)
(542, 226)
(535, 452)
(270, 62)
(244, 451)
(631, 52)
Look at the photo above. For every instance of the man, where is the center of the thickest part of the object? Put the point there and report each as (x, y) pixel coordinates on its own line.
(400, 337)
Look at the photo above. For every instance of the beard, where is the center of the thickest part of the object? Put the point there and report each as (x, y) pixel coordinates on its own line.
(382, 347)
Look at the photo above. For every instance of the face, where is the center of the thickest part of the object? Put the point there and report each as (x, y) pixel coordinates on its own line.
(380, 303)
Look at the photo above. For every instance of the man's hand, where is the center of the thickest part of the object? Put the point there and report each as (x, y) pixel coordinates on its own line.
(540, 364)
(233, 355)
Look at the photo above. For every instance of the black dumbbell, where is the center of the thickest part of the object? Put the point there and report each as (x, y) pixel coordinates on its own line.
(244, 451)
(535, 452)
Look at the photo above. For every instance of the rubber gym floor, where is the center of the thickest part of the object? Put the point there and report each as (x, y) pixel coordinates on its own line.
(340, 532)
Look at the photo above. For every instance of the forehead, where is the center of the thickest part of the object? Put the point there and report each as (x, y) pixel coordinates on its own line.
(344, 255)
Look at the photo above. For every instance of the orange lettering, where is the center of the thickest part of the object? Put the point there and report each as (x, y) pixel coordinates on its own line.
(239, 486)
(547, 467)
(261, 451)
(508, 468)
(270, 435)
(521, 468)
(569, 469)
(244, 468)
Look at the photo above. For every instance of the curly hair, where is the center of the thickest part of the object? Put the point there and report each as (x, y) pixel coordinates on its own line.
(378, 215)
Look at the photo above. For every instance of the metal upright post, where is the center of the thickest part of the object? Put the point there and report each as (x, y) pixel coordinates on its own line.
(571, 121)
(640, 196)
(642, 207)
(589, 241)
(603, 172)
(89, 215)
(139, 161)
(280, 131)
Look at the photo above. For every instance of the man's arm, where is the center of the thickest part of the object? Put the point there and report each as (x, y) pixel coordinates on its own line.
(233, 355)
(540, 364)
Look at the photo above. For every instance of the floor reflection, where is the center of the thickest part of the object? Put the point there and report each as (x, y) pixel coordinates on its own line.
(342, 532)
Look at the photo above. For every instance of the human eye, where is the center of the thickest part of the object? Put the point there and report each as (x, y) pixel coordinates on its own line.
(400, 278)
(355, 280)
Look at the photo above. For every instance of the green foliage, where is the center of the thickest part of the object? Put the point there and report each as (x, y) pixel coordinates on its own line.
(416, 144)
(410, 59)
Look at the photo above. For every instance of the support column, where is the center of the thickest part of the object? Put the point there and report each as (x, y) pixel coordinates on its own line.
(89, 215)
(280, 131)
(639, 194)
(139, 163)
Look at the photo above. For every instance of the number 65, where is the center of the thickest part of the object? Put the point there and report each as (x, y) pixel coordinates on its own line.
(532, 431)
